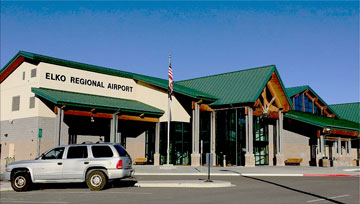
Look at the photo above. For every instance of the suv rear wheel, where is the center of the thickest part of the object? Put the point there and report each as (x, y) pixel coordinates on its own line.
(96, 180)
(21, 181)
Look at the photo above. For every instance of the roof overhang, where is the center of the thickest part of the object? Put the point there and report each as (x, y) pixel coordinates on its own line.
(95, 103)
(328, 125)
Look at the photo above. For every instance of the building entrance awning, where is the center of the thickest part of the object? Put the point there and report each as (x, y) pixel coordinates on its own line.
(330, 125)
(95, 102)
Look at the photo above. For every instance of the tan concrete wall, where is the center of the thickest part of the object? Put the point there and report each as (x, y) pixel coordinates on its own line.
(136, 146)
(296, 146)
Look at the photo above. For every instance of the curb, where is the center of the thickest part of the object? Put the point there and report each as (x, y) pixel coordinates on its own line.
(244, 174)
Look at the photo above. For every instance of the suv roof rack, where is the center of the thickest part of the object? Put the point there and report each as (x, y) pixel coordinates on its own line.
(87, 142)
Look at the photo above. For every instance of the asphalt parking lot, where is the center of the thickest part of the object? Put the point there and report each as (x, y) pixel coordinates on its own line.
(245, 190)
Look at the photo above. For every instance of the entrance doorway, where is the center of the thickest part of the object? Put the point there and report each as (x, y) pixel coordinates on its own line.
(261, 141)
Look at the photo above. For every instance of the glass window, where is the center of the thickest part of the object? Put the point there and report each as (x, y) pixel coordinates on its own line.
(77, 152)
(33, 73)
(23, 75)
(15, 103)
(122, 152)
(308, 105)
(101, 151)
(56, 153)
(32, 102)
(298, 103)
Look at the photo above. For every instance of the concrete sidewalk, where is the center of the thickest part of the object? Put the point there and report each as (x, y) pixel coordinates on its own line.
(247, 171)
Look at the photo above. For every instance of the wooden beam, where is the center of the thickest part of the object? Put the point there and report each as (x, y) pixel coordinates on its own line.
(336, 138)
(272, 114)
(274, 94)
(344, 132)
(203, 107)
(137, 118)
(109, 116)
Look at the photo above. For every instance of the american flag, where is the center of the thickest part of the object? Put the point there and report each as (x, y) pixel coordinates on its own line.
(171, 81)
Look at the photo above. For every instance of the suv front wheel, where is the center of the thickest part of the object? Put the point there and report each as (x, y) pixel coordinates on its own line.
(96, 180)
(21, 181)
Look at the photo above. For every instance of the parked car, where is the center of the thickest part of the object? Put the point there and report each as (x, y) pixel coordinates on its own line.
(95, 164)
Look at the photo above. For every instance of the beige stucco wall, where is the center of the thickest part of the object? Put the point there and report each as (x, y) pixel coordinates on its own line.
(136, 146)
(139, 91)
(14, 85)
(159, 99)
(296, 146)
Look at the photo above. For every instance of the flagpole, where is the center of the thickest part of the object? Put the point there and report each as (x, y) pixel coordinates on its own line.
(168, 131)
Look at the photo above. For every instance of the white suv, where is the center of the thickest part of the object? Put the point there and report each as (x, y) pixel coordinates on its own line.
(94, 163)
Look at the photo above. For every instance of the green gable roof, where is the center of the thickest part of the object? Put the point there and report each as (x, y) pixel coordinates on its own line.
(162, 83)
(323, 122)
(295, 90)
(238, 87)
(292, 91)
(93, 101)
(348, 111)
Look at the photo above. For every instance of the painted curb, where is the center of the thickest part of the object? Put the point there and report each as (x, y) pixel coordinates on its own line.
(331, 175)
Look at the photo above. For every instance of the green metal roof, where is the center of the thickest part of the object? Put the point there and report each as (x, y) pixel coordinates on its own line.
(295, 90)
(348, 111)
(244, 86)
(93, 101)
(162, 83)
(292, 91)
(323, 122)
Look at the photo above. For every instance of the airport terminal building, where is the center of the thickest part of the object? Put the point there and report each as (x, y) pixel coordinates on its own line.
(245, 118)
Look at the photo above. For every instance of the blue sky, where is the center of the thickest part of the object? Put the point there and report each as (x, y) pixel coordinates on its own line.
(311, 43)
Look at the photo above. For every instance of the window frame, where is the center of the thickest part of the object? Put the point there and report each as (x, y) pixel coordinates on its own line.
(12, 103)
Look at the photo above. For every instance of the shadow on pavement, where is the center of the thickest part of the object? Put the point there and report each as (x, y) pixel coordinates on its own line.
(293, 189)
(113, 184)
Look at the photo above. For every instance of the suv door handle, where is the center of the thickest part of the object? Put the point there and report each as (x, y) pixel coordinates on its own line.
(86, 162)
(59, 163)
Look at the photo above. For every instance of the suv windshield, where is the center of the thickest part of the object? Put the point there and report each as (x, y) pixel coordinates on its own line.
(122, 152)
(56, 153)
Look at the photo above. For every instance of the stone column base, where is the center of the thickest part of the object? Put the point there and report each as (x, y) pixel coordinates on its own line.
(195, 159)
(280, 161)
(249, 160)
(214, 159)
(156, 159)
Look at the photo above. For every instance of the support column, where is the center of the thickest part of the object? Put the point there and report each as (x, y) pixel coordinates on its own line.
(157, 144)
(195, 156)
(279, 141)
(58, 129)
(322, 144)
(213, 136)
(114, 129)
(249, 156)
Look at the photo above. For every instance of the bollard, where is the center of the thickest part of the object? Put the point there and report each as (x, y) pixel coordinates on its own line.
(224, 161)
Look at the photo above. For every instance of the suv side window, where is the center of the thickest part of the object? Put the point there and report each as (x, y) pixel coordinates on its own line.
(122, 152)
(77, 152)
(101, 151)
(56, 153)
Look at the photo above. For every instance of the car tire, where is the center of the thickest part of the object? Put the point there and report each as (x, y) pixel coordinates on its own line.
(21, 181)
(96, 180)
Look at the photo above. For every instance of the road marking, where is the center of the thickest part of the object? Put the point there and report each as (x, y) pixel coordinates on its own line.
(92, 192)
(40, 202)
(310, 201)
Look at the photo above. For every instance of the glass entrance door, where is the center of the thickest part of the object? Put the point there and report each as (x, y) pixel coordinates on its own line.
(261, 141)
